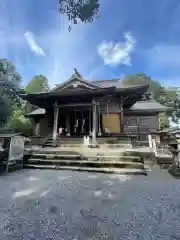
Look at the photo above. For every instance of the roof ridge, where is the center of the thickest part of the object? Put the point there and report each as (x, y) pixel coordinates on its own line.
(116, 79)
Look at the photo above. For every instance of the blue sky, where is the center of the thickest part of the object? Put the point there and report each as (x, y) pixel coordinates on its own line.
(129, 37)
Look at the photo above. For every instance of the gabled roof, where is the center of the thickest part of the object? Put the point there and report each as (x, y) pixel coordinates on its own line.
(76, 76)
(151, 105)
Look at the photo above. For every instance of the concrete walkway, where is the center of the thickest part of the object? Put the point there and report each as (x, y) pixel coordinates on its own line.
(47, 204)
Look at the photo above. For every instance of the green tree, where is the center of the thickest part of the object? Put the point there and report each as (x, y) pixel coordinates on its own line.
(8, 73)
(19, 123)
(39, 83)
(79, 10)
(161, 94)
(9, 82)
(141, 78)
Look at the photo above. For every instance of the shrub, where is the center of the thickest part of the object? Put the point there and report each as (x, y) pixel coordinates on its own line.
(19, 123)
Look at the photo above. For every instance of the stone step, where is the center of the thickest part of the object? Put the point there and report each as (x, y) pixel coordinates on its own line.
(76, 145)
(57, 156)
(88, 163)
(54, 151)
(88, 156)
(119, 145)
(50, 145)
(72, 145)
(124, 171)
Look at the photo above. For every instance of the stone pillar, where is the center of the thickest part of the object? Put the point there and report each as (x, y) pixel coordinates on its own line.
(37, 128)
(154, 147)
(150, 140)
(55, 125)
(94, 123)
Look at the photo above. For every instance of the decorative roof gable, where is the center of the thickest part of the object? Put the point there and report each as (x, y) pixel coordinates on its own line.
(76, 82)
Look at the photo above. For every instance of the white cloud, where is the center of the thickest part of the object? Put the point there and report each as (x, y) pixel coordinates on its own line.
(32, 44)
(64, 50)
(114, 54)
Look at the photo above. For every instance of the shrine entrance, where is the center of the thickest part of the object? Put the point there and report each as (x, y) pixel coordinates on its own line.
(80, 122)
(76, 122)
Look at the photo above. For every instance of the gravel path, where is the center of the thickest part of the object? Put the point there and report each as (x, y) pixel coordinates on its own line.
(48, 204)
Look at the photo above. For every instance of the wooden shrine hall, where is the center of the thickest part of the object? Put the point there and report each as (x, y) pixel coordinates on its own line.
(96, 108)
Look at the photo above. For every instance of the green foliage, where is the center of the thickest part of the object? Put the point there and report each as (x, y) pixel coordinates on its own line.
(6, 110)
(142, 78)
(9, 73)
(8, 97)
(39, 83)
(79, 10)
(163, 95)
(19, 123)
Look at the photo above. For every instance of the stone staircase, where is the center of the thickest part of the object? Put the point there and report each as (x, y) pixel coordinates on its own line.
(75, 142)
(87, 160)
(63, 142)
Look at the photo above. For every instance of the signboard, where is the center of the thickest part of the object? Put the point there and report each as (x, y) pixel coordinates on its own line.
(16, 149)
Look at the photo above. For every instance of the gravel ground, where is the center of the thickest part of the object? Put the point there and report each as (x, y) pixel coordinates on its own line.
(49, 204)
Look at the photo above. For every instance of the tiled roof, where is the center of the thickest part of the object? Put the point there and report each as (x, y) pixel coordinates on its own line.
(118, 83)
(148, 106)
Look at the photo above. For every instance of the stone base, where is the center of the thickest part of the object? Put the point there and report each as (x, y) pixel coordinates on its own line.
(175, 171)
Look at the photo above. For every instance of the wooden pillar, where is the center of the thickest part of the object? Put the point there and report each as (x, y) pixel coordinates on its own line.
(138, 129)
(82, 122)
(55, 125)
(90, 129)
(68, 125)
(99, 120)
(94, 123)
(122, 115)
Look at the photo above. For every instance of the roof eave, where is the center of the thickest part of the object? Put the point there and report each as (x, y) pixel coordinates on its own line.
(160, 110)
(69, 93)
